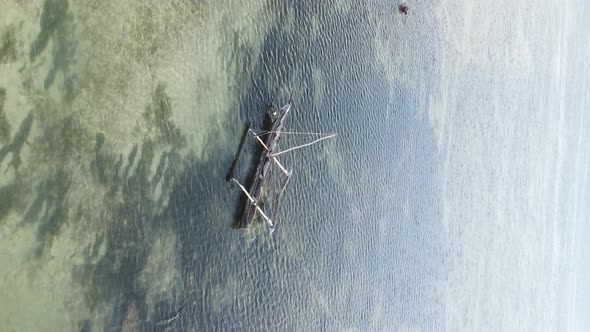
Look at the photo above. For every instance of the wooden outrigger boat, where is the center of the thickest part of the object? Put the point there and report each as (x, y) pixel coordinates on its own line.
(268, 157)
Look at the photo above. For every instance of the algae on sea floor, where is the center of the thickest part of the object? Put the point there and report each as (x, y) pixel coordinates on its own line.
(8, 45)
(4, 124)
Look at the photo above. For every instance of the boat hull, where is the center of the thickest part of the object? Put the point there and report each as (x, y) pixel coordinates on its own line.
(264, 165)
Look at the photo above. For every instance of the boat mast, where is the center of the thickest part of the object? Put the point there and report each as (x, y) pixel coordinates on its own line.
(272, 155)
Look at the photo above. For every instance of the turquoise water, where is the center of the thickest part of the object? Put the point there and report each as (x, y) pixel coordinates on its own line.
(451, 199)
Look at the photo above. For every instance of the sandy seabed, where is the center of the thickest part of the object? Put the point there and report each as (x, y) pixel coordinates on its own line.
(100, 104)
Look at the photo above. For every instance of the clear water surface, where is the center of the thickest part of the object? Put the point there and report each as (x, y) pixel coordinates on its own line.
(450, 200)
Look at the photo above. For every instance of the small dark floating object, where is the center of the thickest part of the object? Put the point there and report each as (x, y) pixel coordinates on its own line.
(404, 9)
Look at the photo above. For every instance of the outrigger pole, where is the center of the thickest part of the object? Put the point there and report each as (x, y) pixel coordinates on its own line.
(253, 201)
(257, 137)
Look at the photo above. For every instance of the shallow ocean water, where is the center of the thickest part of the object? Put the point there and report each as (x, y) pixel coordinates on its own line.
(449, 200)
